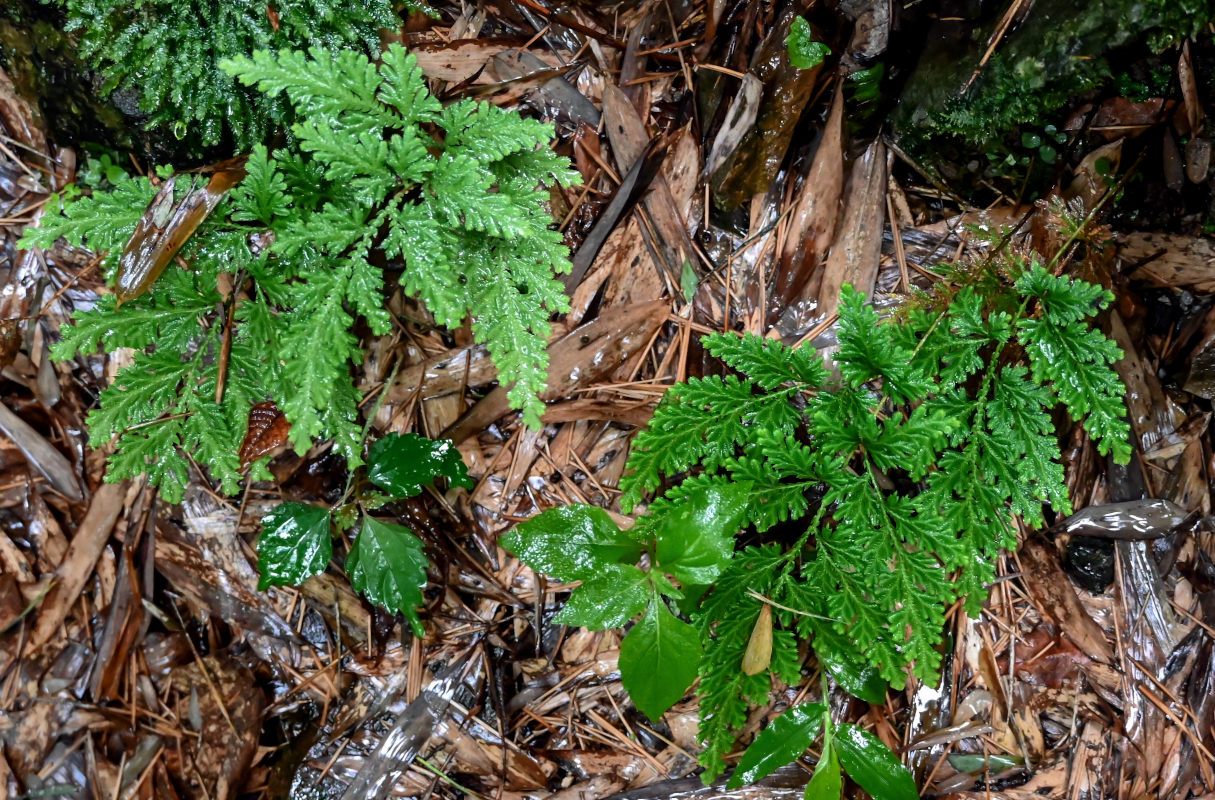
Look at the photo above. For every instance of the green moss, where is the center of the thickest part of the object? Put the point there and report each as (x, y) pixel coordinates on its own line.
(1063, 49)
(167, 53)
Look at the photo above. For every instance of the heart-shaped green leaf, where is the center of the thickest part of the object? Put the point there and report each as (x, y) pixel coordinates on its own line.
(387, 564)
(696, 539)
(608, 600)
(404, 463)
(571, 543)
(658, 660)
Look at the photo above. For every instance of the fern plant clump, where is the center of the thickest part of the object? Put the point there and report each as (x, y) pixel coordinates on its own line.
(285, 268)
(894, 486)
(168, 53)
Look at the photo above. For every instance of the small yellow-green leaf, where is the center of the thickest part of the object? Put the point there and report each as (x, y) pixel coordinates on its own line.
(827, 783)
(804, 52)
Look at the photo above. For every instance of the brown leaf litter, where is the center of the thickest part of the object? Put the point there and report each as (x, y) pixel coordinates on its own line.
(139, 660)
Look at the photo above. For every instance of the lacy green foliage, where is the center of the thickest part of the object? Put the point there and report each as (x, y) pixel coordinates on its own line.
(462, 216)
(386, 562)
(168, 52)
(901, 475)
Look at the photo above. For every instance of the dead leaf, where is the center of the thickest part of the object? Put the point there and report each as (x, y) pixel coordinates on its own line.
(857, 248)
(268, 429)
(1052, 594)
(82, 554)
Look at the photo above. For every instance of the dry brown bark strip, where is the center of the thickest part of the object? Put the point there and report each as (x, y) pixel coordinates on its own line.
(581, 357)
(1051, 592)
(78, 562)
(626, 131)
(857, 249)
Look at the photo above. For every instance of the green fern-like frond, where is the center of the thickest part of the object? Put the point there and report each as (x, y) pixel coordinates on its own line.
(1074, 358)
(725, 622)
(371, 176)
(768, 362)
(904, 476)
(102, 221)
(869, 350)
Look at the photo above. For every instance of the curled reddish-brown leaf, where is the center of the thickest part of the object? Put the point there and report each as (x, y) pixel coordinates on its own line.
(267, 430)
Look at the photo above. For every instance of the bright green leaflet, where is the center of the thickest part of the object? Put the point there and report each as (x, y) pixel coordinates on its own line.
(658, 659)
(779, 743)
(826, 783)
(386, 563)
(869, 762)
(804, 52)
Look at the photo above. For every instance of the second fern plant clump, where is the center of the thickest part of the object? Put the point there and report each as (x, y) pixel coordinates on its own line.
(886, 495)
(379, 173)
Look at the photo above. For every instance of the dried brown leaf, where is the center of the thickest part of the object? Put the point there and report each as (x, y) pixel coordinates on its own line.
(267, 430)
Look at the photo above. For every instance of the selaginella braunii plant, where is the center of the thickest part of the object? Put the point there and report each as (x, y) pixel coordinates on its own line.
(458, 218)
(886, 494)
(381, 188)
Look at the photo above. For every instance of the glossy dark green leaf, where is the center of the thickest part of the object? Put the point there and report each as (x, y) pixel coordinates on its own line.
(571, 543)
(826, 783)
(695, 540)
(658, 660)
(403, 463)
(870, 763)
(779, 744)
(607, 600)
(854, 676)
(294, 545)
(388, 565)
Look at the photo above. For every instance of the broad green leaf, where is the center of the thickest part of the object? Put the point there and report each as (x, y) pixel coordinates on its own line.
(387, 564)
(695, 540)
(870, 763)
(826, 784)
(779, 744)
(658, 660)
(571, 543)
(858, 678)
(404, 463)
(607, 600)
(294, 545)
